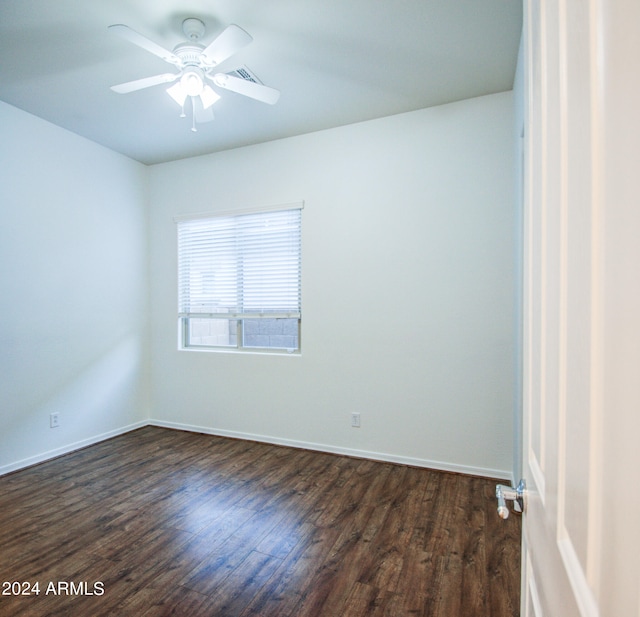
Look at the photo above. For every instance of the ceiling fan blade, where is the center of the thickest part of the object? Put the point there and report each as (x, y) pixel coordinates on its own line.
(259, 92)
(201, 114)
(145, 82)
(232, 39)
(142, 41)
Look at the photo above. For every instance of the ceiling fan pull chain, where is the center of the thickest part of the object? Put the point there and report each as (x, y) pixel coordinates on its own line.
(193, 115)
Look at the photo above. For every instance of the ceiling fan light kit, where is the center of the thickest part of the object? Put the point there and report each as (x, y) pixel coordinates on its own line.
(208, 96)
(196, 63)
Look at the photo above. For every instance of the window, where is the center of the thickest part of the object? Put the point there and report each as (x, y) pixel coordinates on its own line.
(239, 281)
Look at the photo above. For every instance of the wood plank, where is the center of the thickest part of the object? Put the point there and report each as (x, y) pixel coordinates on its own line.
(180, 523)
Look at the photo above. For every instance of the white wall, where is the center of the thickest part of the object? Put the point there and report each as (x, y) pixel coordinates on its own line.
(408, 290)
(73, 273)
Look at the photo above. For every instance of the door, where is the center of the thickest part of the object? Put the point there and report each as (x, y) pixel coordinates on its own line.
(581, 347)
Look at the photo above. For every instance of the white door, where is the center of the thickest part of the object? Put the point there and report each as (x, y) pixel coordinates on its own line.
(581, 449)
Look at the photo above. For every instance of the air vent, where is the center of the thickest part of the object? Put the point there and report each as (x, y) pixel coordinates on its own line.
(244, 73)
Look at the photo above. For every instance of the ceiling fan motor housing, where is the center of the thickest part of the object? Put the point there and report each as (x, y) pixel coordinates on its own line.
(189, 53)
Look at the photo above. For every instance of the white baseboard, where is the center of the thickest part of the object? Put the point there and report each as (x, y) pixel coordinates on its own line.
(499, 474)
(50, 454)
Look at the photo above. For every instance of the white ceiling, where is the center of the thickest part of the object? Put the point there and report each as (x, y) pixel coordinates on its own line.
(335, 62)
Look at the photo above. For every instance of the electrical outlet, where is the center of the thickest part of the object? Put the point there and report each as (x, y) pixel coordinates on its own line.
(355, 419)
(54, 420)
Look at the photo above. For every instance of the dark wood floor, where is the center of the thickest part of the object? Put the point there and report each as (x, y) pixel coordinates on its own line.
(162, 522)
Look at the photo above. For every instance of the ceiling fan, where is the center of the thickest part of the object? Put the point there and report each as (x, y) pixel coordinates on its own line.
(196, 66)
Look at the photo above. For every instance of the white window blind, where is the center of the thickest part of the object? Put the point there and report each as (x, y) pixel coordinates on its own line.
(242, 266)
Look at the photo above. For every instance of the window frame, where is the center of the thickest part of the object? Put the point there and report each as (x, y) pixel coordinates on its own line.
(186, 345)
(185, 336)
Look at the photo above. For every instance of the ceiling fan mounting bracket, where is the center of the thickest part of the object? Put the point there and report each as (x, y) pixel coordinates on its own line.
(193, 28)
